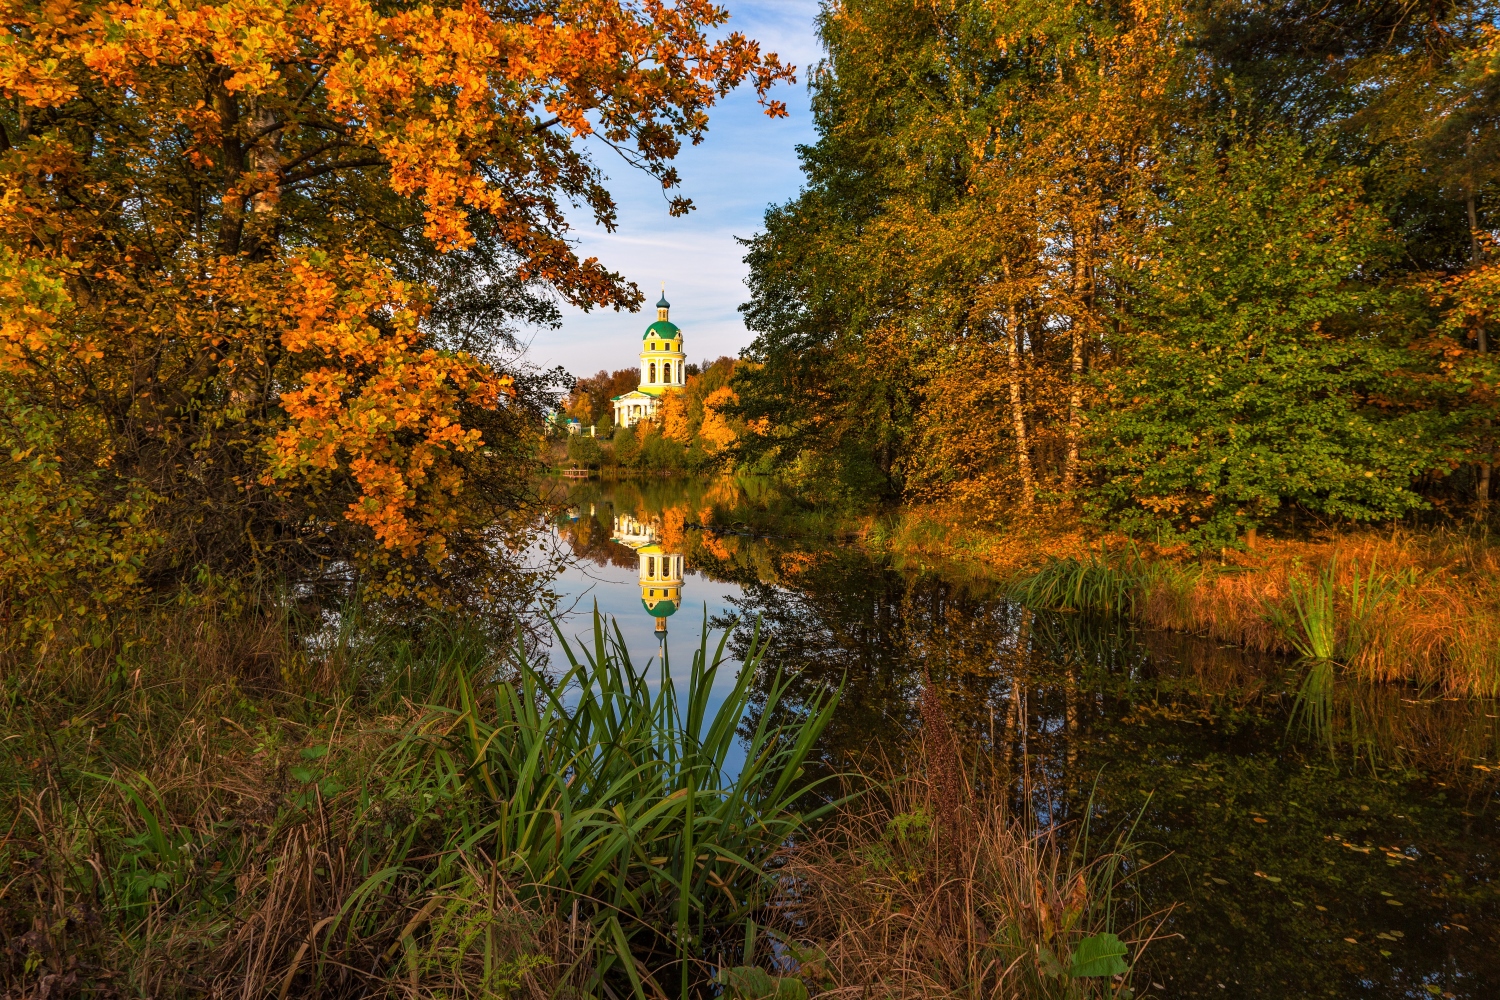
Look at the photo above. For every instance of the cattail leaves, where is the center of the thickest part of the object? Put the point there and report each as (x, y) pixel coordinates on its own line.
(601, 787)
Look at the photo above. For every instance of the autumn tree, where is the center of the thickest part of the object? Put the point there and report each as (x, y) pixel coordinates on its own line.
(259, 261)
(590, 399)
(980, 169)
(939, 312)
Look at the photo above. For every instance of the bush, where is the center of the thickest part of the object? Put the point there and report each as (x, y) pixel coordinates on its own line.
(584, 450)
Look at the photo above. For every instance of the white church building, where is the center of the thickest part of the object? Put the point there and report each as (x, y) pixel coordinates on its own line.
(662, 370)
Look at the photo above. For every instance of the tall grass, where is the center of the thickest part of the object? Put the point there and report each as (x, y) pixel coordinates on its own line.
(895, 900)
(1416, 609)
(1104, 581)
(383, 814)
(598, 792)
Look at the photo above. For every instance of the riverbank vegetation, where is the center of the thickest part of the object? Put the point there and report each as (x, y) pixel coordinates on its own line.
(695, 432)
(1402, 605)
(378, 811)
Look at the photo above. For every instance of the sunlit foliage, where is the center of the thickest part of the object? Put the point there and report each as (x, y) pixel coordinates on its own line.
(260, 263)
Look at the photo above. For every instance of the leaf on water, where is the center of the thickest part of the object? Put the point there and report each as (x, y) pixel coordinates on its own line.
(1221, 881)
(1099, 955)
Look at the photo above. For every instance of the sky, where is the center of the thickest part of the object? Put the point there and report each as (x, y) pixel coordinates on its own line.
(746, 163)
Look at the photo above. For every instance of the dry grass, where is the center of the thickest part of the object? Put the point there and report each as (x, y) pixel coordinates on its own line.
(892, 901)
(163, 840)
(1433, 622)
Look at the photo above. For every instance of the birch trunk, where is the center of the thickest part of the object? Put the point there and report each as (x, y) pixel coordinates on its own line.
(1017, 411)
(1075, 395)
(1476, 253)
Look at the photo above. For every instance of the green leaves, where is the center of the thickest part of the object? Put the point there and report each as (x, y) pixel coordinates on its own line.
(611, 787)
(1099, 955)
(750, 983)
(1267, 361)
(1095, 956)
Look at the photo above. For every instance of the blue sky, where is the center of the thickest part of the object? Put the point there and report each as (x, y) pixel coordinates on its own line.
(747, 162)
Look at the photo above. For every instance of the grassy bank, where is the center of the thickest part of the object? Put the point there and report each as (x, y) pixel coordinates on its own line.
(1416, 607)
(230, 807)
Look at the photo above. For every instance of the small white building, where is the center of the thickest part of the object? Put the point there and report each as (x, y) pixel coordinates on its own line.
(663, 365)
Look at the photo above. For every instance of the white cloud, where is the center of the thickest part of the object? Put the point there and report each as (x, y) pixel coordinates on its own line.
(747, 162)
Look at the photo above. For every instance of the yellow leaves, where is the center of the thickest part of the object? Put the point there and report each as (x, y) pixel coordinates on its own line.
(448, 96)
(32, 297)
(390, 411)
(716, 429)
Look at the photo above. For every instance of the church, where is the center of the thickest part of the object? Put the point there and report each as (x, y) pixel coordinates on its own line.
(662, 363)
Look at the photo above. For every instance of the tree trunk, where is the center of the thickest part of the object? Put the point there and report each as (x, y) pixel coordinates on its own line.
(1075, 395)
(1017, 411)
(1476, 253)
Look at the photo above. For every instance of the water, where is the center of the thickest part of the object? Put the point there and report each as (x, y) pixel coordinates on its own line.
(1347, 852)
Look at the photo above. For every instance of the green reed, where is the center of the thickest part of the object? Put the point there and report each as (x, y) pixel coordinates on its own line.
(603, 796)
(1113, 584)
(1330, 622)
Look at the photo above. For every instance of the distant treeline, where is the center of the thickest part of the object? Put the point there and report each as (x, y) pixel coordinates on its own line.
(1195, 268)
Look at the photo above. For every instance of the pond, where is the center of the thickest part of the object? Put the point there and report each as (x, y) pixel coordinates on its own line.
(1343, 845)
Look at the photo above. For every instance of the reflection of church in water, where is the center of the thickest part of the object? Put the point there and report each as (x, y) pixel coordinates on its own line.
(661, 571)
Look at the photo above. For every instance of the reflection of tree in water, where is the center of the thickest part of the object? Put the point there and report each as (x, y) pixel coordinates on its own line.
(835, 620)
(1186, 738)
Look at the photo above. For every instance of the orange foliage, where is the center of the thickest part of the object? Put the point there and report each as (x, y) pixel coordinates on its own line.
(674, 418)
(207, 372)
(674, 528)
(716, 430)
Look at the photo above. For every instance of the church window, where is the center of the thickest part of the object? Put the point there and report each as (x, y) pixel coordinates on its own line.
(652, 379)
(651, 566)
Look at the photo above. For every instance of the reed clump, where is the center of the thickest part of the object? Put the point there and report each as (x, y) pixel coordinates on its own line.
(902, 899)
(1404, 607)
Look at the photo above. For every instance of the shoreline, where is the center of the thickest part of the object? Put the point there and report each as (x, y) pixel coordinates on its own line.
(1396, 605)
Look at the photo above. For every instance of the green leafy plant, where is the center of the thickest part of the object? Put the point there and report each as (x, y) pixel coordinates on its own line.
(1095, 956)
(604, 789)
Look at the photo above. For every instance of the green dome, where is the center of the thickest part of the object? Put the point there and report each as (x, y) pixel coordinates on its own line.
(663, 608)
(662, 330)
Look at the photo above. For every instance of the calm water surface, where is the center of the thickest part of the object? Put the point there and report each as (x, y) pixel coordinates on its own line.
(1353, 852)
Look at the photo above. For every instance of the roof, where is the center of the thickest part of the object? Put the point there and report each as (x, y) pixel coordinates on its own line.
(657, 610)
(663, 329)
(662, 302)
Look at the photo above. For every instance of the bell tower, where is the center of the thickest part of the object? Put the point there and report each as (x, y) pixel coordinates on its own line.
(663, 369)
(662, 357)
